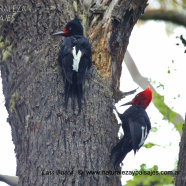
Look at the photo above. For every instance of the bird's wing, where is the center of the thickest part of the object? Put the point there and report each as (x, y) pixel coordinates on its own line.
(139, 129)
(65, 58)
(65, 49)
(84, 46)
(135, 132)
(86, 58)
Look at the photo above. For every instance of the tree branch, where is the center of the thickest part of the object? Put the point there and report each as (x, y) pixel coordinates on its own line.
(122, 95)
(11, 180)
(165, 15)
(158, 100)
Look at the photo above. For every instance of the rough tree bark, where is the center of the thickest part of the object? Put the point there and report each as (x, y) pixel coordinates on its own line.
(181, 177)
(46, 137)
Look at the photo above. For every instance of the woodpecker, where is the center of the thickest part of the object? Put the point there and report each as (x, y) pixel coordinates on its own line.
(135, 124)
(75, 58)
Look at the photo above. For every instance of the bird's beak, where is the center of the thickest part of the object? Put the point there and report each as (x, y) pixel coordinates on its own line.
(59, 33)
(129, 103)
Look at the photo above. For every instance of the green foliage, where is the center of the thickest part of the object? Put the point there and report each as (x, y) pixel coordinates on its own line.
(179, 126)
(160, 85)
(149, 177)
(183, 41)
(154, 129)
(149, 145)
(167, 113)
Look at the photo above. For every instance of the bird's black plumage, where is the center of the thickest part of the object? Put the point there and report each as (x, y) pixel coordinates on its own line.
(136, 126)
(75, 58)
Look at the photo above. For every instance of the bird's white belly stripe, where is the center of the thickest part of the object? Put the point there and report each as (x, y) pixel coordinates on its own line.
(143, 135)
(76, 59)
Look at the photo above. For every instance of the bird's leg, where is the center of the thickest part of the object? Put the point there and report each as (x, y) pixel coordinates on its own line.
(113, 104)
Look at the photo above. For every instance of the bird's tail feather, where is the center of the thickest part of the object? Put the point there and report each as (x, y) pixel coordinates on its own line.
(79, 95)
(67, 93)
(73, 90)
(121, 150)
(117, 147)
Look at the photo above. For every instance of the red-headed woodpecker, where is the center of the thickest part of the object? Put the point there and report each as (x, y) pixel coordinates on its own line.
(136, 126)
(75, 58)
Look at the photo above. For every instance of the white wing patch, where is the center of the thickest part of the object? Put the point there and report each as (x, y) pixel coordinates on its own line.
(143, 136)
(76, 59)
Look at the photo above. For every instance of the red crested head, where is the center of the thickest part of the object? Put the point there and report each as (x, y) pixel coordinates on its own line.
(142, 99)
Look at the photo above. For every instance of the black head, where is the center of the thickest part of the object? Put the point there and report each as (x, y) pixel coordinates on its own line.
(73, 27)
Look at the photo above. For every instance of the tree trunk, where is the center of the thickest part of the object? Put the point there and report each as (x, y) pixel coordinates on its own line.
(181, 178)
(55, 147)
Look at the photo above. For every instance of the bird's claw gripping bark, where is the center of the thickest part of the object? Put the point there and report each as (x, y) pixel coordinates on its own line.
(113, 104)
